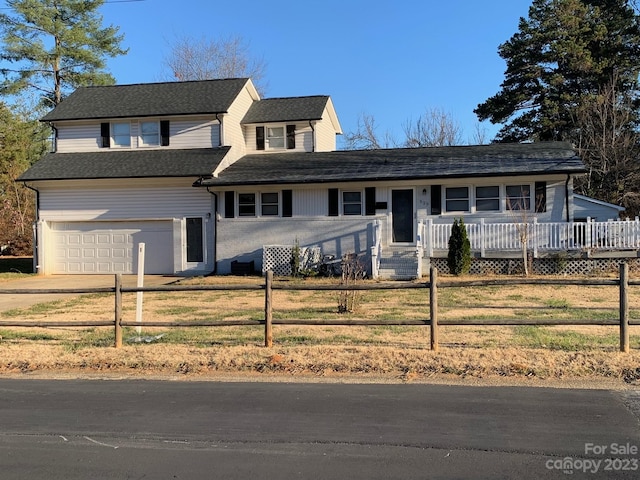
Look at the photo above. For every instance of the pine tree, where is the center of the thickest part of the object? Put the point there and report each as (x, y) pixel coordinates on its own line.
(564, 51)
(52, 46)
(459, 256)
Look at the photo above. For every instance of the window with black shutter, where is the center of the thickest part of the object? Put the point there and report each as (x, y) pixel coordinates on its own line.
(541, 197)
(291, 137)
(287, 203)
(436, 199)
(259, 138)
(229, 204)
(105, 133)
(370, 201)
(164, 133)
(333, 202)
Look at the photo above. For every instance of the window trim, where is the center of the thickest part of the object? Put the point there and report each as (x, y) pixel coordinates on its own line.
(461, 199)
(507, 203)
(246, 204)
(497, 198)
(344, 203)
(113, 135)
(157, 134)
(277, 204)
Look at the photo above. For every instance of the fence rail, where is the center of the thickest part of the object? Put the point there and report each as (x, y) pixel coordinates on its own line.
(623, 321)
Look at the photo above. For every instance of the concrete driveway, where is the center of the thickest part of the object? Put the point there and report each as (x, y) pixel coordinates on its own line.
(9, 301)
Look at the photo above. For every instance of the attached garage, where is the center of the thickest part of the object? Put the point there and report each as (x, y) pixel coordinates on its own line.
(111, 247)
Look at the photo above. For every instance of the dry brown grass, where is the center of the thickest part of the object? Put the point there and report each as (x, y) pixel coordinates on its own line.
(395, 353)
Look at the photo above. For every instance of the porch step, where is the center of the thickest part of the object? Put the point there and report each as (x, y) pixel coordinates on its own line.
(398, 263)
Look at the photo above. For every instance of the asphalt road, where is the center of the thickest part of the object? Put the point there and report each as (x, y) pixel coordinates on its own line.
(81, 429)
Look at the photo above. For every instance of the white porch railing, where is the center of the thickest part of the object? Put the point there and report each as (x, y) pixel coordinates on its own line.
(540, 237)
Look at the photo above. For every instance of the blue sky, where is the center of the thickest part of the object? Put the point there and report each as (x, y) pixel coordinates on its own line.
(392, 59)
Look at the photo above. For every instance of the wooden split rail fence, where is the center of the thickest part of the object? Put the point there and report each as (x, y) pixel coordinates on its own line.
(623, 320)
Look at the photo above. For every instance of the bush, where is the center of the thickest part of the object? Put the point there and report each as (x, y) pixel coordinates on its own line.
(459, 257)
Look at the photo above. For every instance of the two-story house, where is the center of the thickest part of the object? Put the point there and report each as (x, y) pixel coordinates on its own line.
(205, 173)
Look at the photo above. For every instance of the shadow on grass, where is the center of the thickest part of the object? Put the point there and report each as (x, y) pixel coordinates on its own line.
(16, 265)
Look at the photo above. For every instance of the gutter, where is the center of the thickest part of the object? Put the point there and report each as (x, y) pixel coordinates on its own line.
(36, 245)
(566, 196)
(215, 232)
(219, 131)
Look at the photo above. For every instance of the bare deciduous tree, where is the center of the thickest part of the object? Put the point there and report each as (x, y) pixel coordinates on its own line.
(608, 144)
(366, 136)
(207, 59)
(436, 128)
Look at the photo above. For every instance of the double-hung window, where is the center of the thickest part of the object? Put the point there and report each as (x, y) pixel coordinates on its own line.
(121, 134)
(488, 198)
(352, 203)
(275, 137)
(518, 197)
(247, 204)
(269, 204)
(457, 199)
(149, 134)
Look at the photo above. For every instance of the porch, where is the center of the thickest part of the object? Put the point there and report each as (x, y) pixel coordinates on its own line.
(590, 240)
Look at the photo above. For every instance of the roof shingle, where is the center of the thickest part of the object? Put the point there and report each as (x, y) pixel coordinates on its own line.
(148, 99)
(402, 164)
(289, 109)
(199, 162)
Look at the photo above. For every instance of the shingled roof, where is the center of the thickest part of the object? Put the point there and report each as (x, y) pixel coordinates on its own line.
(197, 162)
(401, 164)
(289, 109)
(148, 99)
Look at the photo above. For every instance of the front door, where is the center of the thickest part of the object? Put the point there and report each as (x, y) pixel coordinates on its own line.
(402, 212)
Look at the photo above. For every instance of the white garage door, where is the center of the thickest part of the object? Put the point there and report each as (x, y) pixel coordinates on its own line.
(112, 247)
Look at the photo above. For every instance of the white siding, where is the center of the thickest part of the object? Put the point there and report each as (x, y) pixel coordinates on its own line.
(325, 134)
(243, 239)
(79, 138)
(310, 203)
(193, 132)
(122, 203)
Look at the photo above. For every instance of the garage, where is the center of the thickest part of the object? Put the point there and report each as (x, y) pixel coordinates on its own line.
(111, 247)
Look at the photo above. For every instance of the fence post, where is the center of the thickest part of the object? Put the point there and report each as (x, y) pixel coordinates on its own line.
(433, 307)
(268, 311)
(118, 312)
(624, 307)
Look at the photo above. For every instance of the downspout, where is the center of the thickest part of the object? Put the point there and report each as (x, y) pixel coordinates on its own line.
(215, 232)
(313, 137)
(36, 246)
(219, 132)
(566, 195)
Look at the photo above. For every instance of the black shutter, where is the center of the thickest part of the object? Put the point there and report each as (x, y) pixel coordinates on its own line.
(541, 197)
(164, 133)
(259, 138)
(287, 203)
(370, 201)
(333, 202)
(105, 133)
(291, 137)
(229, 204)
(436, 199)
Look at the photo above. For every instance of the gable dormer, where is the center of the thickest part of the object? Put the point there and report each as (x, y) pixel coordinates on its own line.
(157, 115)
(303, 124)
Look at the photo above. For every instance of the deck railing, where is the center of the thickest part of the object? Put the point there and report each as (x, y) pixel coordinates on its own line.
(589, 236)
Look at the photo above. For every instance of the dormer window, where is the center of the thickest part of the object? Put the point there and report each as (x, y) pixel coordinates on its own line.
(149, 134)
(276, 137)
(121, 134)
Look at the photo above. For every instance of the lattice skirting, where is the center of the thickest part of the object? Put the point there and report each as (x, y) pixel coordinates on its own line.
(544, 266)
(278, 258)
